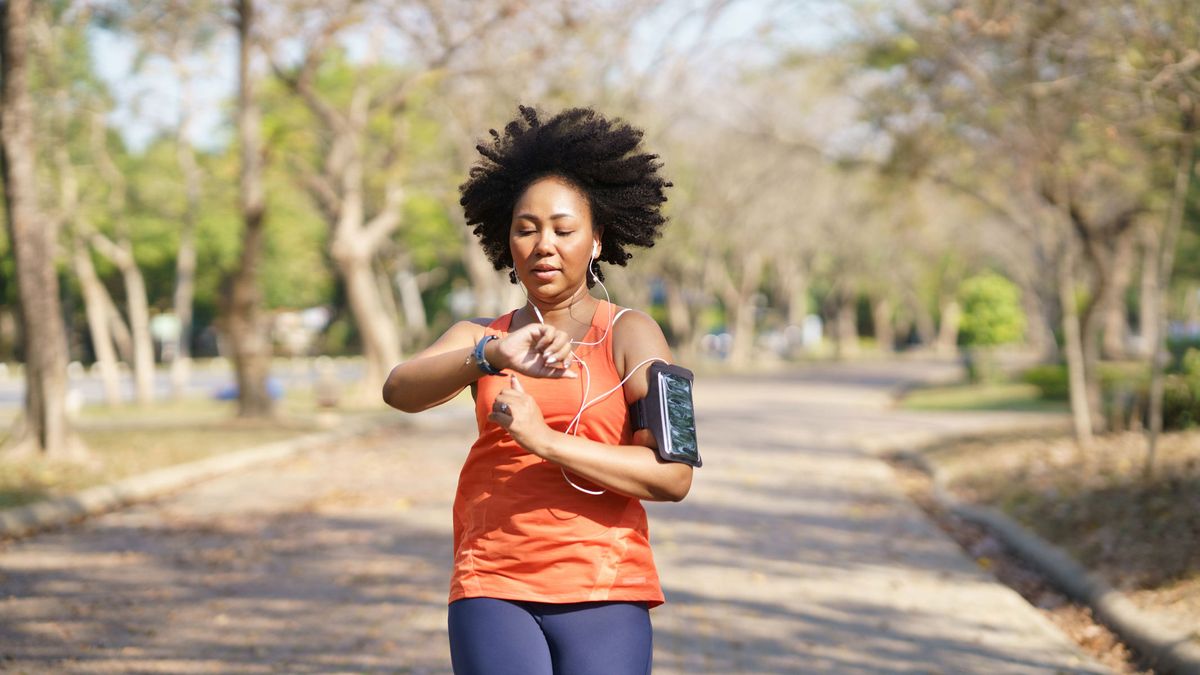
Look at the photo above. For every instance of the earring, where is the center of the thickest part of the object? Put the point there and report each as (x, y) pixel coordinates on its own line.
(512, 277)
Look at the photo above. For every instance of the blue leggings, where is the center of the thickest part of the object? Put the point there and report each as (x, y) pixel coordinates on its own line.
(507, 637)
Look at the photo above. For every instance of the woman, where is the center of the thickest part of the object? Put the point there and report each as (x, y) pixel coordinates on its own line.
(552, 565)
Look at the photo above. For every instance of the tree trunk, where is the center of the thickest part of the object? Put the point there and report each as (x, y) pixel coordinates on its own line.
(120, 253)
(745, 310)
(410, 313)
(96, 303)
(1091, 324)
(8, 335)
(1164, 267)
(885, 335)
(947, 338)
(119, 331)
(1116, 326)
(185, 261)
(846, 326)
(1148, 294)
(492, 293)
(44, 428)
(926, 328)
(679, 318)
(793, 286)
(1039, 315)
(380, 338)
(246, 325)
(138, 308)
(1080, 410)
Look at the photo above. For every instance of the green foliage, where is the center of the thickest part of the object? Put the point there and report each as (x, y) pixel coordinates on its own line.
(1181, 401)
(1190, 363)
(1050, 380)
(896, 51)
(429, 235)
(992, 313)
(1125, 389)
(1179, 346)
(296, 271)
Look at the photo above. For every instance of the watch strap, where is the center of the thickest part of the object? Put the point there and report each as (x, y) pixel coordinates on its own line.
(481, 361)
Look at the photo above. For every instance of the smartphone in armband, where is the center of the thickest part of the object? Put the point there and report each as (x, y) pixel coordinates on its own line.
(668, 413)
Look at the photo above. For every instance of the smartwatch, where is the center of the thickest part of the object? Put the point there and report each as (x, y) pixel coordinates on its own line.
(480, 360)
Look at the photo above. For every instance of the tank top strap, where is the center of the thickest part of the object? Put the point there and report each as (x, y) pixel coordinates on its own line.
(501, 324)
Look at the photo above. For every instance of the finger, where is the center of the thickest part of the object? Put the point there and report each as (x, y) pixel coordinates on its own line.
(516, 384)
(501, 419)
(558, 348)
(545, 340)
(548, 372)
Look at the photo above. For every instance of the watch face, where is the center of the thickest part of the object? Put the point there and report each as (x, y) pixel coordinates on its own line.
(679, 417)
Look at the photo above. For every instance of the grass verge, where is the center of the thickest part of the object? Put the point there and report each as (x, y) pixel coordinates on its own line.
(128, 441)
(1010, 397)
(1140, 533)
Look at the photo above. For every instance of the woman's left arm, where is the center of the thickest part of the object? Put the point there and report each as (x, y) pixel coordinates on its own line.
(634, 470)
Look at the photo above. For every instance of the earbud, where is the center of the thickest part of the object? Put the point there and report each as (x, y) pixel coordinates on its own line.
(595, 250)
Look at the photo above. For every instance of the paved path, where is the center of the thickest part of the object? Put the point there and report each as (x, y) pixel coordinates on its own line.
(793, 554)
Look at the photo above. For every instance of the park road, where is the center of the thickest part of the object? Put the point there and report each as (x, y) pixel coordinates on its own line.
(794, 553)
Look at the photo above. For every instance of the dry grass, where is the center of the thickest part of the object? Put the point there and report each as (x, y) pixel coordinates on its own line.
(130, 440)
(1140, 533)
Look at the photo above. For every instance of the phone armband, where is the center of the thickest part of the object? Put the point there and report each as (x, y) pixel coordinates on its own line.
(668, 413)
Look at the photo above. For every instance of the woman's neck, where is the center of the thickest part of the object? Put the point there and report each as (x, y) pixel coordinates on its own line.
(568, 314)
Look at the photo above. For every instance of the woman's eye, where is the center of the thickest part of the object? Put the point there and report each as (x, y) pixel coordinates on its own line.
(563, 233)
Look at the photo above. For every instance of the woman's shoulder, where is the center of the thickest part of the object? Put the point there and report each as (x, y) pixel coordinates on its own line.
(632, 322)
(637, 334)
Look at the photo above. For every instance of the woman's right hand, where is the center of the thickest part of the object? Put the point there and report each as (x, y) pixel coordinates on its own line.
(535, 350)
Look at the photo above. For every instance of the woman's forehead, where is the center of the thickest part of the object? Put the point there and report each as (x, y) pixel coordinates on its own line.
(552, 196)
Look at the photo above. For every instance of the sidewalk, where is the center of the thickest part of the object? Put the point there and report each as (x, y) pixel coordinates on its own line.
(793, 554)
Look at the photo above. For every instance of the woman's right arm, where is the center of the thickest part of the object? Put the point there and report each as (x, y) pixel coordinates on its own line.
(438, 373)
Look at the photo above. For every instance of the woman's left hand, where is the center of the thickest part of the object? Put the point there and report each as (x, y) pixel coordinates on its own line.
(518, 413)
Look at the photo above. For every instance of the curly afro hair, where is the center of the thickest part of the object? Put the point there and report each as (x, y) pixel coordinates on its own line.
(599, 157)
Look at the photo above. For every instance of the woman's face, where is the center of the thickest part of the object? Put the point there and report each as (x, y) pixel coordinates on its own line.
(551, 239)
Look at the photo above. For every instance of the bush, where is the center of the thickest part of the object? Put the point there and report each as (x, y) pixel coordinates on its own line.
(1190, 363)
(1179, 346)
(1050, 380)
(991, 311)
(1181, 401)
(1125, 389)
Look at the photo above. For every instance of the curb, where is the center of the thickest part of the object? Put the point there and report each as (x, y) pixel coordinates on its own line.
(1166, 648)
(22, 521)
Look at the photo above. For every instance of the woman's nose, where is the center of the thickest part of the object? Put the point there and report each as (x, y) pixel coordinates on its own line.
(544, 245)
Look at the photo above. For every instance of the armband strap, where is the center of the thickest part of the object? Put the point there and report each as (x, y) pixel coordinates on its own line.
(668, 413)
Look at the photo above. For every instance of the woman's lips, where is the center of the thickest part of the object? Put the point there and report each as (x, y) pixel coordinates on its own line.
(544, 274)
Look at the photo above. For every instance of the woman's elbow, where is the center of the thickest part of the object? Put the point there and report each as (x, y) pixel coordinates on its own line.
(393, 395)
(675, 489)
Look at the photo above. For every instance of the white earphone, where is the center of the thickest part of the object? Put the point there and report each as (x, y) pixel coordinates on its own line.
(595, 250)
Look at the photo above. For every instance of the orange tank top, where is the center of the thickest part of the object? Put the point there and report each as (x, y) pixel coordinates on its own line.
(521, 532)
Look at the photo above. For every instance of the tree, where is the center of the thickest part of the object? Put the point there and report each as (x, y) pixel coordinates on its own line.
(44, 427)
(119, 251)
(1001, 101)
(356, 175)
(178, 30)
(242, 312)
